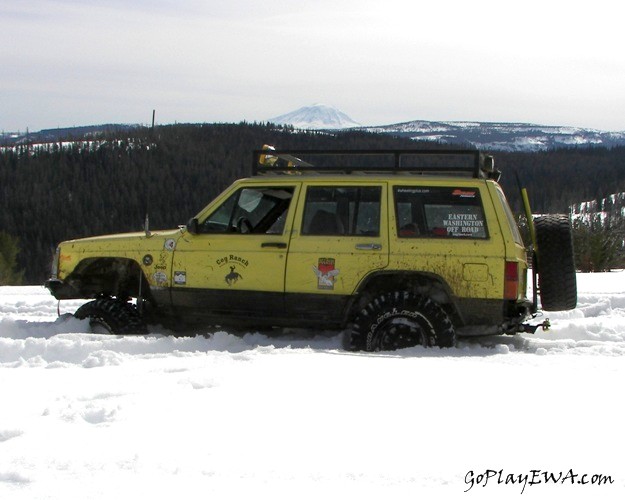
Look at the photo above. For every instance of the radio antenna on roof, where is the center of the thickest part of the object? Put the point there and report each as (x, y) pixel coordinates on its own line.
(146, 224)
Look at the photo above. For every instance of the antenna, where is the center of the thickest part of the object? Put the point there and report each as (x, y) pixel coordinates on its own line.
(146, 224)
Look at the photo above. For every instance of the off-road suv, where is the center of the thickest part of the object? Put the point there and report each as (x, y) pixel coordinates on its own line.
(396, 248)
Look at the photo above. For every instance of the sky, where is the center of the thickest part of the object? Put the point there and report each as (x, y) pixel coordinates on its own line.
(82, 62)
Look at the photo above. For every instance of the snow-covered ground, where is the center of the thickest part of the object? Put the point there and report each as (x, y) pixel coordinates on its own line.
(86, 416)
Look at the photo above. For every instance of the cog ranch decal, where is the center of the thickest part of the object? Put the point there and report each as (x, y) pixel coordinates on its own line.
(232, 261)
(326, 274)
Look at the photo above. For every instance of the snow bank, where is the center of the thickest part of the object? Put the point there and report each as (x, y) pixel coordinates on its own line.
(31, 334)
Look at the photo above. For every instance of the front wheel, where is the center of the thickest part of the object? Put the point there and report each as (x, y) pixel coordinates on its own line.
(397, 320)
(108, 315)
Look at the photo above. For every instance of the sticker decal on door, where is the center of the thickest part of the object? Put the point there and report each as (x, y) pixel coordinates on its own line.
(232, 277)
(326, 273)
(234, 262)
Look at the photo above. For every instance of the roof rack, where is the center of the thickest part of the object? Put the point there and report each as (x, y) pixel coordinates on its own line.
(297, 161)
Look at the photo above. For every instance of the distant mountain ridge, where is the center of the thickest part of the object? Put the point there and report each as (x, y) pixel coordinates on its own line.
(492, 136)
(488, 136)
(66, 133)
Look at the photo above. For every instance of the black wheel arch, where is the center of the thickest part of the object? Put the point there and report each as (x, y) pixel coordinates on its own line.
(105, 276)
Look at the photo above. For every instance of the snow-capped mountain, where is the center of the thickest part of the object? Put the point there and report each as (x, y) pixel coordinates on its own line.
(503, 136)
(317, 116)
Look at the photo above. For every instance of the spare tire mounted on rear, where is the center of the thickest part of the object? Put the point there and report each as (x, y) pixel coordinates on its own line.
(555, 262)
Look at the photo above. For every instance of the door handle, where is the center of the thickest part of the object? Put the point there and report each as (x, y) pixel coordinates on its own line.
(368, 246)
(273, 244)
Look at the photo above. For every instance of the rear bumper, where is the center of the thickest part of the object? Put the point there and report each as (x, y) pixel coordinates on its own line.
(492, 317)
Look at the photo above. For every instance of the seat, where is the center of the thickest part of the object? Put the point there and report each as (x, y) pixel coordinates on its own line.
(324, 222)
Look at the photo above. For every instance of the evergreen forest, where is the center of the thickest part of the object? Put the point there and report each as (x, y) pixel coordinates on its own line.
(106, 184)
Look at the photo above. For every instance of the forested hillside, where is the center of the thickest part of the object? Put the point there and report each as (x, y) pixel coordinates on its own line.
(564, 177)
(59, 191)
(54, 192)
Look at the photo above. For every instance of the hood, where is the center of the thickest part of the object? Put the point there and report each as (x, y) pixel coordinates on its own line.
(124, 242)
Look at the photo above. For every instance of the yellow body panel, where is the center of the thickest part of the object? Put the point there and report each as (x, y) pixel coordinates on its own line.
(157, 249)
(296, 263)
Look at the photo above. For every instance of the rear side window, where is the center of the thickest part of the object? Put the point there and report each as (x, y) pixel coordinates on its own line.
(439, 212)
(516, 234)
(348, 211)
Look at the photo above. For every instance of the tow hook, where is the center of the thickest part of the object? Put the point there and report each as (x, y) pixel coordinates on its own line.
(527, 328)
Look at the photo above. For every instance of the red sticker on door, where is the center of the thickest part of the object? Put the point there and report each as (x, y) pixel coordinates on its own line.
(326, 274)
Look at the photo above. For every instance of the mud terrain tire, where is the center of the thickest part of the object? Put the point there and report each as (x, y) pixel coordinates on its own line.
(114, 316)
(397, 320)
(555, 262)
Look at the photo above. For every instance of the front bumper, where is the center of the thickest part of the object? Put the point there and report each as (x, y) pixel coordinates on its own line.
(62, 290)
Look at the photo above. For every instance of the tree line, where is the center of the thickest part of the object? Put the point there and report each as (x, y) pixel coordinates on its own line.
(106, 184)
(563, 177)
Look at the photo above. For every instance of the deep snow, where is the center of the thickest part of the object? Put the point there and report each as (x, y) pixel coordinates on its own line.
(223, 416)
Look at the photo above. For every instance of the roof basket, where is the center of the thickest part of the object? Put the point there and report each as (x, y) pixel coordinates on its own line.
(466, 162)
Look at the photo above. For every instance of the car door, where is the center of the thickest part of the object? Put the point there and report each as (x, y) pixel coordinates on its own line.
(340, 235)
(234, 264)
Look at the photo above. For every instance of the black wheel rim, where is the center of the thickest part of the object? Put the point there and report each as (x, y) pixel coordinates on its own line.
(400, 332)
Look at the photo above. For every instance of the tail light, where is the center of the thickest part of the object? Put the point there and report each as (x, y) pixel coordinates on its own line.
(511, 281)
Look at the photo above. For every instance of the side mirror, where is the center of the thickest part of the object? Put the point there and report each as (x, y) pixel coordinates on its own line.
(192, 226)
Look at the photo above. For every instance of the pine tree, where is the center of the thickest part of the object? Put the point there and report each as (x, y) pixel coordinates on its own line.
(9, 249)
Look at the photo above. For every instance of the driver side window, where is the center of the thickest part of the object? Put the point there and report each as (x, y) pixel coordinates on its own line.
(259, 210)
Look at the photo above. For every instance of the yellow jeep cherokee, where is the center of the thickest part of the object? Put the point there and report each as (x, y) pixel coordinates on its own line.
(396, 248)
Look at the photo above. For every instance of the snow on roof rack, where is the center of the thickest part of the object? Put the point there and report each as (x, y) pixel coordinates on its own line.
(467, 162)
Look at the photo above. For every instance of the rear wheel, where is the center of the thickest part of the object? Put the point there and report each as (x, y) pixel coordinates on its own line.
(555, 263)
(108, 315)
(397, 320)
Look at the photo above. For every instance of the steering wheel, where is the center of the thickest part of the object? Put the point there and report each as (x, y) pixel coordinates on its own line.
(244, 225)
